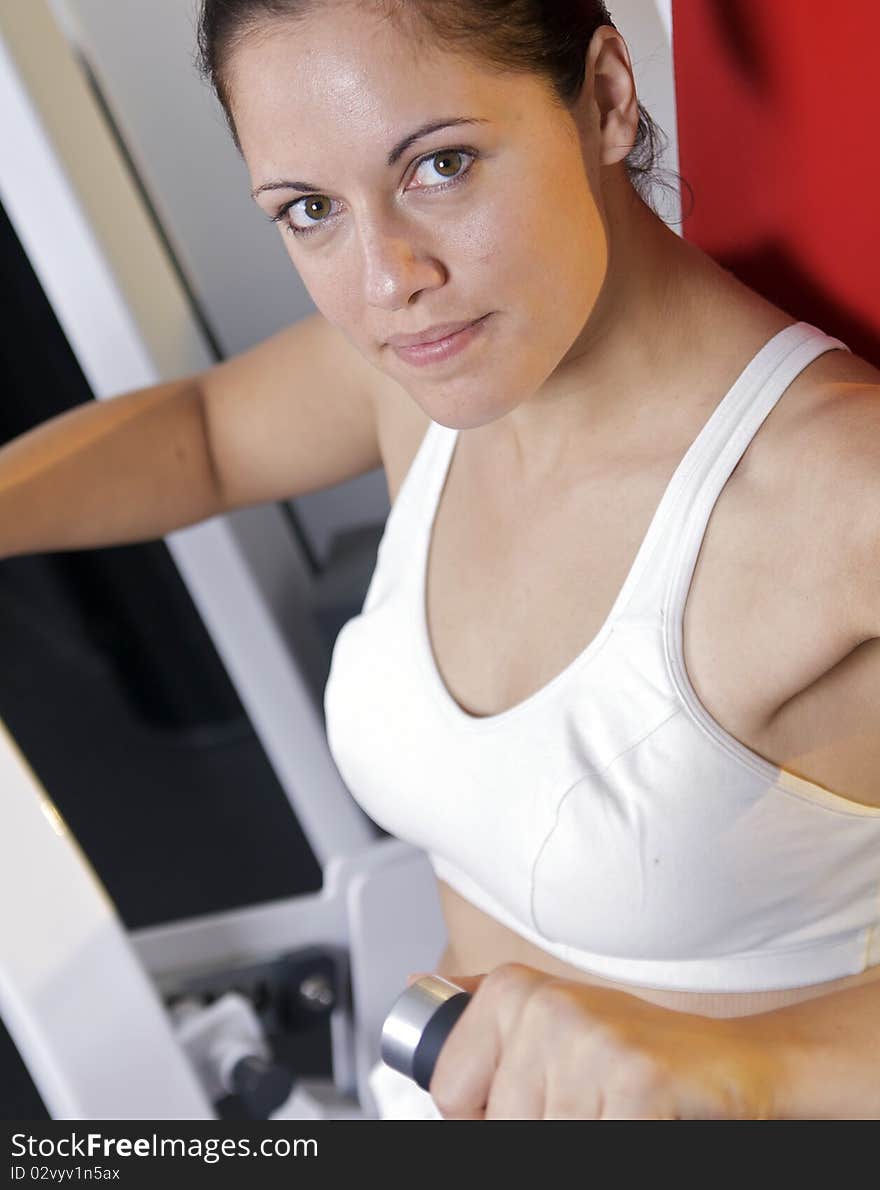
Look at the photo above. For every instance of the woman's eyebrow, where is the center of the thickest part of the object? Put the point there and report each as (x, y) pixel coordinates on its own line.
(393, 157)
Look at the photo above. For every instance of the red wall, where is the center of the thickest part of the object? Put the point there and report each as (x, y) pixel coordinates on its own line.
(779, 137)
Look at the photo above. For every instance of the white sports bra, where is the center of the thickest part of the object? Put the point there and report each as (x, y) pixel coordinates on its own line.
(608, 818)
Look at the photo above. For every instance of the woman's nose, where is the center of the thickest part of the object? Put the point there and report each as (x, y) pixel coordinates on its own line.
(396, 267)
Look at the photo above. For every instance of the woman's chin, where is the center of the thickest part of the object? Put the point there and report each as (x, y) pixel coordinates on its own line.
(466, 415)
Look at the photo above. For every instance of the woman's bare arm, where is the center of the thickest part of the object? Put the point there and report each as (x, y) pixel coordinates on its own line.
(294, 414)
(131, 468)
(827, 1051)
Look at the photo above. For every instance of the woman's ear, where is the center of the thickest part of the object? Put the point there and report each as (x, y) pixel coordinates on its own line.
(611, 86)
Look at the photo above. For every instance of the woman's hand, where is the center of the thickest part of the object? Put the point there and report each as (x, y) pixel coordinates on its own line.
(533, 1047)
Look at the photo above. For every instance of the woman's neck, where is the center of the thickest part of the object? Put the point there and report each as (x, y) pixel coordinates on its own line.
(665, 308)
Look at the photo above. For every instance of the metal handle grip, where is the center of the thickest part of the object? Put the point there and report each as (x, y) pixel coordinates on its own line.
(418, 1024)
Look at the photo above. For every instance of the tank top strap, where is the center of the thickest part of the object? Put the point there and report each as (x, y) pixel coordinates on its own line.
(420, 491)
(439, 453)
(710, 461)
(413, 510)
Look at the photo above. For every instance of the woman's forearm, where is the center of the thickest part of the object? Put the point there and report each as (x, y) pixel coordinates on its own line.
(828, 1051)
(132, 468)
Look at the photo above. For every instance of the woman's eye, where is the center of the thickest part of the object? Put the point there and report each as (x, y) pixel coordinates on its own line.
(312, 210)
(447, 164)
(306, 215)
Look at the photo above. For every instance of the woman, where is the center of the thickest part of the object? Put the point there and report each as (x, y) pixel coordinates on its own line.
(620, 814)
(618, 665)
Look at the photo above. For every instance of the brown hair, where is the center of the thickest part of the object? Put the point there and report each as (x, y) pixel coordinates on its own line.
(548, 38)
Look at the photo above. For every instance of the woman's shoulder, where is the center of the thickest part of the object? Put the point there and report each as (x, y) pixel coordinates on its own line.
(835, 419)
(849, 428)
(827, 419)
(819, 467)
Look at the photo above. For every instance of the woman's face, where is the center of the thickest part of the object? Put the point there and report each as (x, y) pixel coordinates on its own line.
(495, 216)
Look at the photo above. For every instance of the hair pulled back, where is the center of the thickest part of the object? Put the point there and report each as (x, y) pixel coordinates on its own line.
(548, 38)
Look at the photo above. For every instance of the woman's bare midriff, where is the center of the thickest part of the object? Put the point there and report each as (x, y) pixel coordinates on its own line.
(743, 667)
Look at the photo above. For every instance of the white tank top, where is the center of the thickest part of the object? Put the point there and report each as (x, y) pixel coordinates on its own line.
(608, 818)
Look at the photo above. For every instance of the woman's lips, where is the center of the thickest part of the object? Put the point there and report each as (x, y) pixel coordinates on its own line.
(442, 349)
